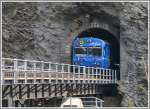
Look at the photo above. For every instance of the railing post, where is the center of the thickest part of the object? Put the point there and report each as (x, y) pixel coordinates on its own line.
(100, 71)
(34, 66)
(3, 68)
(79, 74)
(102, 77)
(15, 70)
(88, 75)
(62, 68)
(3, 64)
(109, 75)
(68, 75)
(101, 103)
(62, 72)
(56, 70)
(96, 75)
(84, 74)
(112, 76)
(25, 65)
(96, 102)
(15, 64)
(115, 76)
(68, 68)
(92, 74)
(49, 72)
(74, 73)
(105, 73)
(42, 71)
(74, 69)
(25, 70)
(49, 67)
(42, 66)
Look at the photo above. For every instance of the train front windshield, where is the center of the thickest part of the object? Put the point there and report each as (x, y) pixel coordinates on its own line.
(80, 51)
(93, 51)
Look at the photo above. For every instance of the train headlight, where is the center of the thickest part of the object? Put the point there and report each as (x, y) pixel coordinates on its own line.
(81, 42)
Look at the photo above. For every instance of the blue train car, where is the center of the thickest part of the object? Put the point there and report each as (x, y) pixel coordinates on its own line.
(91, 52)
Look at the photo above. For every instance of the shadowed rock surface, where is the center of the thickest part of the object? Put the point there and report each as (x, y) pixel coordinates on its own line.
(44, 31)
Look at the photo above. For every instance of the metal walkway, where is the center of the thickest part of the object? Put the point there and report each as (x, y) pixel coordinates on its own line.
(25, 80)
(18, 71)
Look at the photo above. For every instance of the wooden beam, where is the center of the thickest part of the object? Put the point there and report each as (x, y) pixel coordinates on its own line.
(4, 94)
(49, 89)
(61, 89)
(20, 92)
(43, 90)
(35, 90)
(28, 91)
(55, 88)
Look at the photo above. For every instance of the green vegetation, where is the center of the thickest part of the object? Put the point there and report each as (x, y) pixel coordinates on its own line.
(131, 103)
(144, 87)
(145, 69)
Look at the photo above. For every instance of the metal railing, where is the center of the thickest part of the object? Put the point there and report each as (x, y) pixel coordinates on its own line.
(82, 101)
(92, 102)
(15, 71)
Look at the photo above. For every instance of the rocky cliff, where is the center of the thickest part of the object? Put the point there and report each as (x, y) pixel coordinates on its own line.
(134, 53)
(44, 31)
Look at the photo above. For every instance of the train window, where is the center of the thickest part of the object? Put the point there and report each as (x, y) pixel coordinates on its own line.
(95, 51)
(80, 51)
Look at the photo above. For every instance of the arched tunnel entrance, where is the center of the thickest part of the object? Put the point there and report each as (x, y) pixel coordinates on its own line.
(106, 92)
(107, 37)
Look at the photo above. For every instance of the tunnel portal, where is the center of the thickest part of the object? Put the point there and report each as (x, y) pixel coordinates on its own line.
(107, 37)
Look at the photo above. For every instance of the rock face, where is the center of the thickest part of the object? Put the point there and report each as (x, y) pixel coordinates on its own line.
(44, 31)
(133, 53)
(40, 30)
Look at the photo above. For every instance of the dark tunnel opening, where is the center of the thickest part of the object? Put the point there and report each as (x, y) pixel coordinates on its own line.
(111, 39)
(106, 91)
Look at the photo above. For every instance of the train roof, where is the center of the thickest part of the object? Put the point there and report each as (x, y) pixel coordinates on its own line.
(97, 41)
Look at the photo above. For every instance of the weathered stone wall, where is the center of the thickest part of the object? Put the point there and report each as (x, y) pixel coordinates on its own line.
(134, 53)
(40, 30)
(44, 31)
